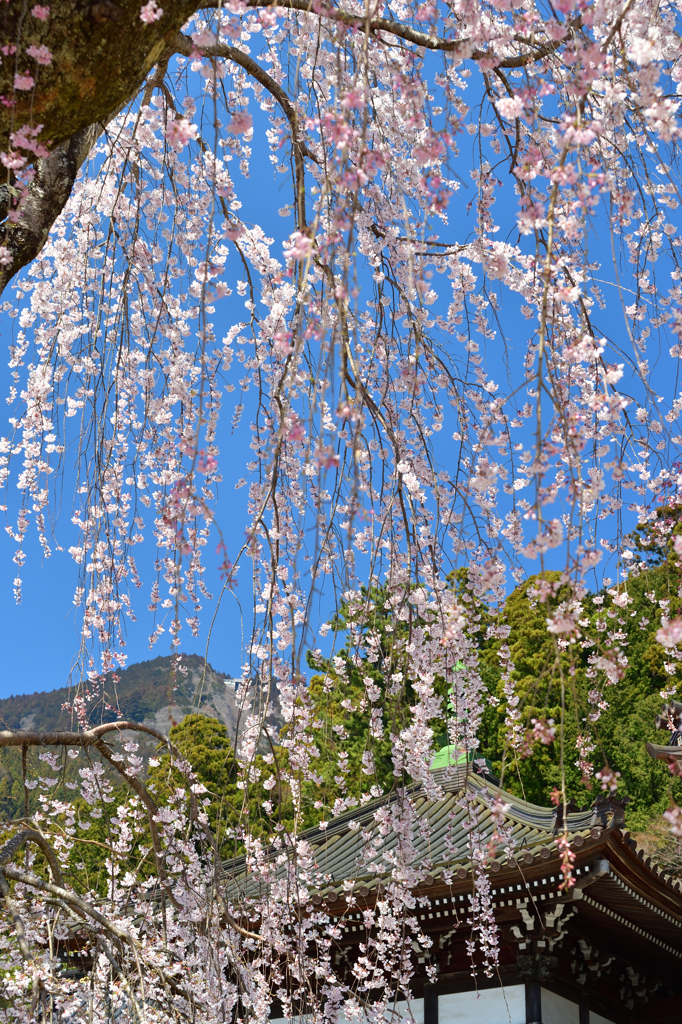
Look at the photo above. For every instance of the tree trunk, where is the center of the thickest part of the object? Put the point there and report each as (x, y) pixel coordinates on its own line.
(100, 54)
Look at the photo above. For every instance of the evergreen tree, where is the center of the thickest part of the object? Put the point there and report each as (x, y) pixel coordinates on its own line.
(234, 804)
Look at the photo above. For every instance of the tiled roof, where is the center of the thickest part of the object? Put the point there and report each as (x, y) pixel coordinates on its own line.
(341, 847)
(339, 850)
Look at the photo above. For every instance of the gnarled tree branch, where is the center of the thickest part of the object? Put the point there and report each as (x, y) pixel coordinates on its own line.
(460, 47)
(30, 835)
(87, 738)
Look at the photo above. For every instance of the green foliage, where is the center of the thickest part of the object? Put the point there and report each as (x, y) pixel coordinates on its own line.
(654, 588)
(11, 784)
(232, 810)
(205, 744)
(556, 681)
(554, 677)
(359, 698)
(545, 682)
(370, 664)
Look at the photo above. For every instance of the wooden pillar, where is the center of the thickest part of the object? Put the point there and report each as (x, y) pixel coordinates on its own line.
(533, 1003)
(430, 1004)
(584, 1010)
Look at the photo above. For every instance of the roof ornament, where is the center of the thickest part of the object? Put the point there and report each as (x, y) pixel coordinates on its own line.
(669, 719)
(570, 808)
(458, 755)
(609, 811)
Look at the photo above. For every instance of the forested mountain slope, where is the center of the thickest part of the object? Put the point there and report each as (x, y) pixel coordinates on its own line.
(150, 691)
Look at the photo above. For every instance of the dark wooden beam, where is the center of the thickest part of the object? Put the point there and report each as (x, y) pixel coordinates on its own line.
(533, 1002)
(430, 1004)
(584, 1010)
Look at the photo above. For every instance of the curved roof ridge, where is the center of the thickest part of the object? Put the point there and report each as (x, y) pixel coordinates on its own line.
(523, 810)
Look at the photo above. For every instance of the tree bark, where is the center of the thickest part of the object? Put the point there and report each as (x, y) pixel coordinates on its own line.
(47, 195)
(100, 54)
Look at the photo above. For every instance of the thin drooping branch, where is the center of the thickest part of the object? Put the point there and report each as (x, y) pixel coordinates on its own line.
(47, 194)
(119, 974)
(184, 46)
(55, 174)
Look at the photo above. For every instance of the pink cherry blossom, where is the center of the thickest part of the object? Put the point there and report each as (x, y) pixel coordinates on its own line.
(40, 54)
(40, 12)
(674, 819)
(13, 160)
(204, 38)
(241, 122)
(23, 82)
(510, 107)
(299, 247)
(543, 731)
(180, 131)
(670, 633)
(608, 779)
(151, 12)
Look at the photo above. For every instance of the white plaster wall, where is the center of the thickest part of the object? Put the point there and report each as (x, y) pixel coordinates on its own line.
(596, 1018)
(557, 1010)
(412, 1012)
(489, 1006)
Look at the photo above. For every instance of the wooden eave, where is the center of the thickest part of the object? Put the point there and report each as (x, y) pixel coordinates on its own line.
(620, 898)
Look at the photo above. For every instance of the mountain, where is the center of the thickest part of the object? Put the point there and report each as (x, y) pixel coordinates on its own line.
(147, 692)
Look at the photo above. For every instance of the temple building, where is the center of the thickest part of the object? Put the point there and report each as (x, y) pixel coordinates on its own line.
(608, 950)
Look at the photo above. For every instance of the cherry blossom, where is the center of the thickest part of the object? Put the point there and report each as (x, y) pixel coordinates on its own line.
(670, 633)
(179, 132)
(241, 122)
(151, 12)
(23, 82)
(40, 54)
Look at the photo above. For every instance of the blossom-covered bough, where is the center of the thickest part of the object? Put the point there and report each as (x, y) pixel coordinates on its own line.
(462, 350)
